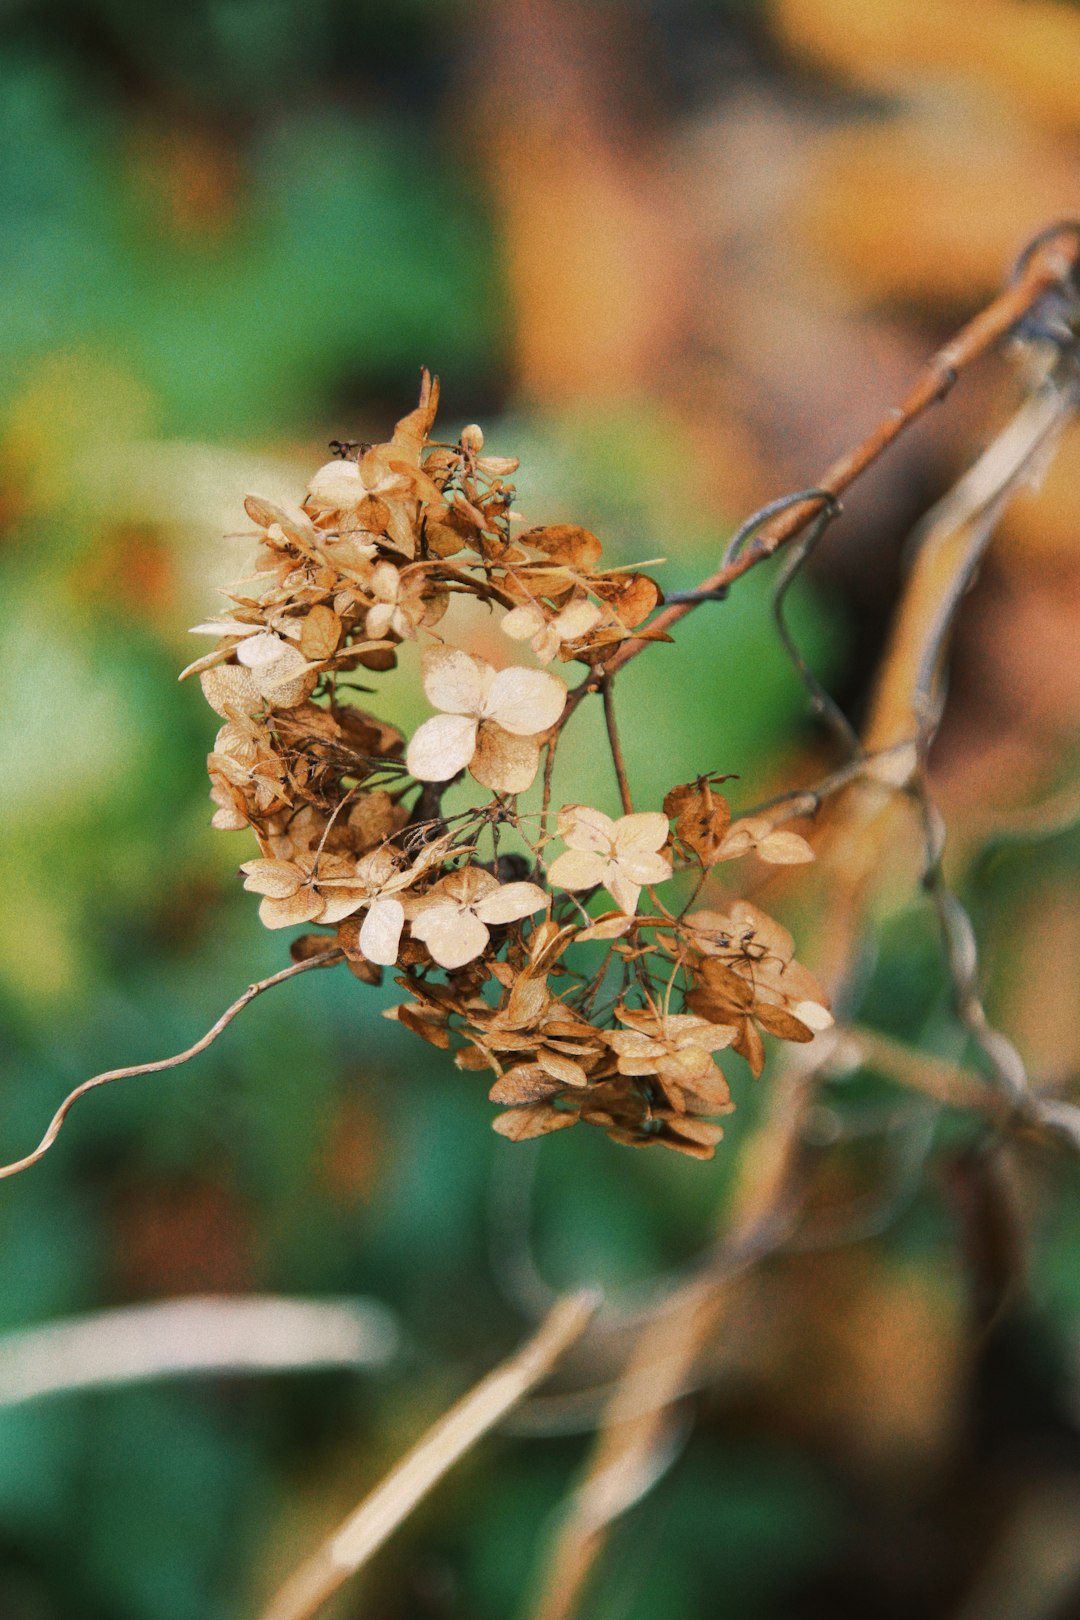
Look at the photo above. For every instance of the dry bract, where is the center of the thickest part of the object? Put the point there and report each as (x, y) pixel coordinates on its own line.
(610, 1019)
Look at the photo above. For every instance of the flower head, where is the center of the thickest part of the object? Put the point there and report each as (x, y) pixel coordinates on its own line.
(333, 887)
(748, 976)
(677, 1048)
(547, 633)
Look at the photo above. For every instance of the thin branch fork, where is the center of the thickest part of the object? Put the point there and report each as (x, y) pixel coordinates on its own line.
(1048, 264)
(1051, 262)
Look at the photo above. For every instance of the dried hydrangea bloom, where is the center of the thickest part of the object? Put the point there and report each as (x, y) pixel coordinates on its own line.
(328, 888)
(775, 845)
(748, 976)
(403, 602)
(490, 722)
(359, 836)
(622, 855)
(454, 919)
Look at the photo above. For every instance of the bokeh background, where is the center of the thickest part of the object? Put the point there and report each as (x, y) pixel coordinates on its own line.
(675, 255)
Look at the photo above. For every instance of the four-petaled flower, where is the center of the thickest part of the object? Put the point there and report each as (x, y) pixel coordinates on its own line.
(490, 722)
(453, 917)
(677, 1048)
(623, 855)
(402, 603)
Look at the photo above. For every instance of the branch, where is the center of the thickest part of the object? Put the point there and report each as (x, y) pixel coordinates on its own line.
(18, 1165)
(391, 1502)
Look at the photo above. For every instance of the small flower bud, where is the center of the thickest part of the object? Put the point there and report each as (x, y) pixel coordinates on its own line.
(472, 439)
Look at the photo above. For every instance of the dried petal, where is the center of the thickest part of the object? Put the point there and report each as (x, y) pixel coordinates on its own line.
(455, 681)
(522, 622)
(510, 902)
(524, 1083)
(380, 935)
(578, 869)
(452, 934)
(784, 849)
(231, 687)
(534, 1119)
(441, 747)
(566, 543)
(303, 906)
(275, 878)
(320, 633)
(640, 834)
(524, 701)
(584, 828)
(503, 763)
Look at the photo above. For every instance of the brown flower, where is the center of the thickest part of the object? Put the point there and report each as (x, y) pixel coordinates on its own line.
(677, 1048)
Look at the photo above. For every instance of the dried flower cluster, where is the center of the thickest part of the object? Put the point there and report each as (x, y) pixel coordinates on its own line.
(528, 949)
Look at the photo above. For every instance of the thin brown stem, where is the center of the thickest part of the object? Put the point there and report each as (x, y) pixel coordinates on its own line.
(325, 959)
(615, 745)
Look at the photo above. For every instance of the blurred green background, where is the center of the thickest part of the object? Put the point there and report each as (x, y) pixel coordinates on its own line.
(673, 255)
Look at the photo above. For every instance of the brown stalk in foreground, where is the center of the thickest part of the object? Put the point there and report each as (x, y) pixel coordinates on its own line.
(361, 1535)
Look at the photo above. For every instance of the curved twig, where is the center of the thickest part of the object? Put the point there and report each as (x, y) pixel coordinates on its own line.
(823, 705)
(325, 959)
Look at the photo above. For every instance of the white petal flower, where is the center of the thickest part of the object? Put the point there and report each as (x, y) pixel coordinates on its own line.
(452, 921)
(441, 747)
(623, 855)
(380, 934)
(486, 721)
